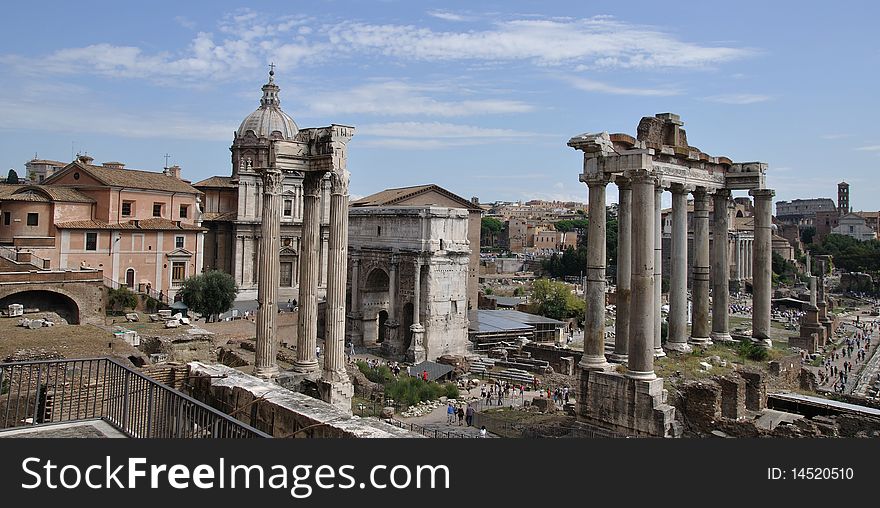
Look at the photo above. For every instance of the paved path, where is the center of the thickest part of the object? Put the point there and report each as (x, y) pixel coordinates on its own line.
(849, 329)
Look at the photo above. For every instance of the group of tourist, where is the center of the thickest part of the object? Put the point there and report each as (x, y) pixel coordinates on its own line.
(464, 414)
(854, 347)
(498, 391)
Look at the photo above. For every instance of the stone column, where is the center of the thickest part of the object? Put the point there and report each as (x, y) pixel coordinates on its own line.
(678, 299)
(416, 353)
(813, 291)
(594, 286)
(336, 388)
(268, 275)
(624, 270)
(307, 325)
(762, 268)
(354, 329)
(658, 270)
(700, 279)
(720, 268)
(640, 364)
(391, 324)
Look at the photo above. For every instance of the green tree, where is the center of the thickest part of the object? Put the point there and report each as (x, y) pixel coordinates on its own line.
(120, 299)
(210, 293)
(807, 235)
(489, 229)
(555, 300)
(12, 176)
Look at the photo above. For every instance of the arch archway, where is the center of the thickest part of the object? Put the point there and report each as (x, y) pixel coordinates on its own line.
(129, 278)
(46, 301)
(407, 322)
(377, 280)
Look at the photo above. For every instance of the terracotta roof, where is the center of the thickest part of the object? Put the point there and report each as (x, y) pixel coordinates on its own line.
(132, 178)
(42, 193)
(216, 181)
(397, 196)
(155, 224)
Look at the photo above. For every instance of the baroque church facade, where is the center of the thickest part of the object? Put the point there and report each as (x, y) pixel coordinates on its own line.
(233, 205)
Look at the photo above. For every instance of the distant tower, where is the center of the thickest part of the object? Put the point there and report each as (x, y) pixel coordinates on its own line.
(843, 198)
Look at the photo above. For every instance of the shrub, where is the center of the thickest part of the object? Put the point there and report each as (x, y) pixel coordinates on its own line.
(120, 299)
(751, 350)
(381, 375)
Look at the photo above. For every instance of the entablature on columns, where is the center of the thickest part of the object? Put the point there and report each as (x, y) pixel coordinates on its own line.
(313, 150)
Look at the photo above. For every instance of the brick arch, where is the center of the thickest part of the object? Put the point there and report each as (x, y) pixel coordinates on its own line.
(47, 300)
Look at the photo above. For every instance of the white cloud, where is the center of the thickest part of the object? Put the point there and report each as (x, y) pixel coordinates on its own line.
(391, 98)
(869, 148)
(741, 98)
(598, 41)
(185, 22)
(589, 85)
(246, 40)
(433, 135)
(448, 16)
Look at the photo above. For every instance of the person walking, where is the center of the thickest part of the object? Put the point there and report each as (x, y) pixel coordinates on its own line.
(469, 415)
(450, 414)
(483, 431)
(460, 414)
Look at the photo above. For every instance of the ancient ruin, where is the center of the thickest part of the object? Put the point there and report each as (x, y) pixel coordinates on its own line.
(660, 158)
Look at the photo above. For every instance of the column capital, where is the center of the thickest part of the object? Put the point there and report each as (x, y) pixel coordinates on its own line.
(339, 182)
(312, 183)
(395, 260)
(680, 188)
(623, 183)
(643, 176)
(722, 193)
(762, 193)
(273, 180)
(595, 179)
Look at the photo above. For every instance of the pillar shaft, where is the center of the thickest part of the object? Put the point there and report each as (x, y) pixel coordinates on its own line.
(720, 268)
(658, 270)
(307, 326)
(334, 340)
(393, 288)
(417, 290)
(624, 270)
(594, 319)
(700, 284)
(355, 285)
(268, 275)
(416, 352)
(678, 300)
(813, 300)
(643, 303)
(762, 264)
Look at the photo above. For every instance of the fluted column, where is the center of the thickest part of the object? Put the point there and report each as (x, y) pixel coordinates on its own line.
(268, 275)
(392, 324)
(594, 319)
(658, 270)
(678, 298)
(640, 363)
(720, 268)
(307, 326)
(700, 279)
(416, 352)
(355, 325)
(762, 264)
(334, 340)
(624, 270)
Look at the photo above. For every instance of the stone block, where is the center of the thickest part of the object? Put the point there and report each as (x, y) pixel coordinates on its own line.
(733, 397)
(756, 390)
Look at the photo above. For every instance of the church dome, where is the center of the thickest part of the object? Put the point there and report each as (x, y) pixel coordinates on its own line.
(268, 121)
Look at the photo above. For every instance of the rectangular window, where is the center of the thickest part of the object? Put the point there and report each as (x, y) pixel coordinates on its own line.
(7, 218)
(288, 207)
(178, 242)
(178, 273)
(157, 209)
(184, 211)
(91, 241)
(33, 219)
(126, 208)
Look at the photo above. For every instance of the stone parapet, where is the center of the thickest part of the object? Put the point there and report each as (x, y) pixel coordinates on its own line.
(625, 405)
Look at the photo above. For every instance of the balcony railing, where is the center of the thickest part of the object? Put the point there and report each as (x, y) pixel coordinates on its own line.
(44, 392)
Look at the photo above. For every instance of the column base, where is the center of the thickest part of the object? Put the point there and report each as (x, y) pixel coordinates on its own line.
(266, 372)
(625, 405)
(598, 363)
(700, 341)
(641, 374)
(721, 337)
(659, 353)
(681, 347)
(308, 367)
(618, 358)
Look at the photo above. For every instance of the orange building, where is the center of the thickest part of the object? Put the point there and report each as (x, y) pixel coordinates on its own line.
(143, 229)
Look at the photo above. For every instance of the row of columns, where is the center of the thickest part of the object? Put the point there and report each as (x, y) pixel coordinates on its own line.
(639, 249)
(743, 255)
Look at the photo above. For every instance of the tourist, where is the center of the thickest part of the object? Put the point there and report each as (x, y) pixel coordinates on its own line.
(500, 398)
(425, 376)
(469, 415)
(450, 414)
(483, 431)
(460, 414)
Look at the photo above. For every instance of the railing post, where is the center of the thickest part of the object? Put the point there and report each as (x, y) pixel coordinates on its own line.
(149, 431)
(125, 401)
(37, 398)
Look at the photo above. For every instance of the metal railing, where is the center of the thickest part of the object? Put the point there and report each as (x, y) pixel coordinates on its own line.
(11, 254)
(157, 295)
(35, 393)
(432, 433)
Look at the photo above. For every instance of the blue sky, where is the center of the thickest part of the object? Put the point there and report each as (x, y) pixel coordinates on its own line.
(479, 97)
